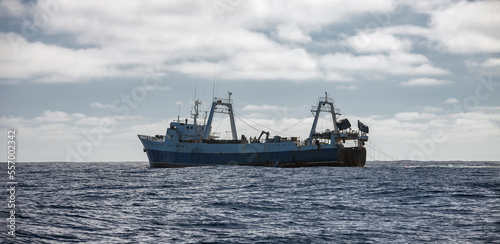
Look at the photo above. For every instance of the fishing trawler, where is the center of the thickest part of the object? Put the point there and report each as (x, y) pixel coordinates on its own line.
(193, 144)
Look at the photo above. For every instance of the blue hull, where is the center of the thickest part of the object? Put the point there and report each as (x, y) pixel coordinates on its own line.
(348, 157)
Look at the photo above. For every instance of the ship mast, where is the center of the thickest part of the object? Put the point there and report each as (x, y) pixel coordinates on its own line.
(196, 111)
(227, 110)
(322, 107)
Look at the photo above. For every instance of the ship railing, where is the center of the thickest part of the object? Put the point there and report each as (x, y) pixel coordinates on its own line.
(212, 141)
(157, 138)
(221, 100)
(222, 110)
(350, 135)
(363, 138)
(314, 108)
(322, 99)
(323, 135)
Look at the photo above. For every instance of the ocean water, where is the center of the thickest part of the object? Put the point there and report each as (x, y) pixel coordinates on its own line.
(385, 202)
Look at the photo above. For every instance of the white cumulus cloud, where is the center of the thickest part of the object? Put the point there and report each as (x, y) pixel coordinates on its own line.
(426, 82)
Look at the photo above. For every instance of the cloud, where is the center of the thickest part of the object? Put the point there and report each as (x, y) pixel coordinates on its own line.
(49, 63)
(9, 121)
(435, 136)
(432, 109)
(101, 105)
(456, 27)
(466, 27)
(272, 62)
(244, 40)
(46, 137)
(96, 40)
(269, 114)
(395, 63)
(426, 6)
(491, 62)
(54, 116)
(426, 82)
(408, 116)
(251, 107)
(377, 42)
(254, 15)
(13, 8)
(158, 88)
(349, 88)
(451, 100)
(292, 33)
(96, 121)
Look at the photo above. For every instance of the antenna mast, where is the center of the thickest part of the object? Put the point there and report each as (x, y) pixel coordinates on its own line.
(196, 113)
(179, 111)
(213, 87)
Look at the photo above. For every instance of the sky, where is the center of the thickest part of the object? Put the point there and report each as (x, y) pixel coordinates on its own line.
(80, 79)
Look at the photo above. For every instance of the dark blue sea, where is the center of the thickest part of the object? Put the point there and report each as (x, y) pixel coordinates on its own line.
(385, 202)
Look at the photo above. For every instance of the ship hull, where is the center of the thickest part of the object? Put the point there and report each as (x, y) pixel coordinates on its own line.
(332, 157)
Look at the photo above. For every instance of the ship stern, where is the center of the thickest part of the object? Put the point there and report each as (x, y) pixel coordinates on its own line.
(352, 156)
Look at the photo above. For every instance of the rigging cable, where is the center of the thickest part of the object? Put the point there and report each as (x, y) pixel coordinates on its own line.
(373, 147)
(291, 127)
(222, 118)
(274, 131)
(247, 123)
